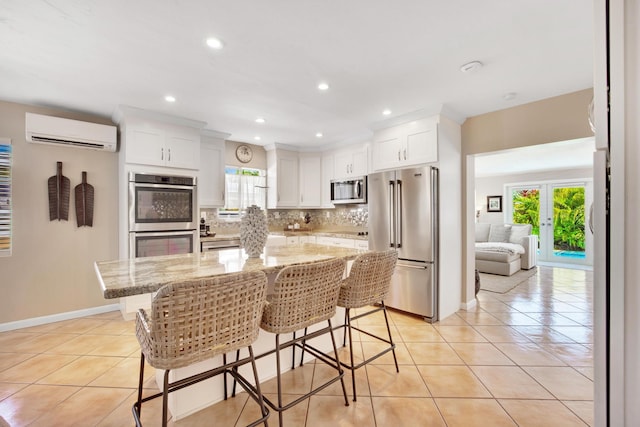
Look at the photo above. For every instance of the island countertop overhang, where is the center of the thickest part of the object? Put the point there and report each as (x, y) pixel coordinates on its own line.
(122, 278)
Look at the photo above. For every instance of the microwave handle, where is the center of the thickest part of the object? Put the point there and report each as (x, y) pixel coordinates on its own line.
(358, 189)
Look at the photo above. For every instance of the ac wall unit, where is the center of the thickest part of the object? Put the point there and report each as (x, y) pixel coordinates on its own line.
(71, 133)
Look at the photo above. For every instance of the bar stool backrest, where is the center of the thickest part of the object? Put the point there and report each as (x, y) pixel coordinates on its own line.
(369, 279)
(195, 320)
(302, 296)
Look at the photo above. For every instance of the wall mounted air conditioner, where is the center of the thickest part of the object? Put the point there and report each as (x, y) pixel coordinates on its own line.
(70, 133)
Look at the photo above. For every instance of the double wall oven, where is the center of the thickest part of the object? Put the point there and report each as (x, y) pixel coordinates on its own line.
(163, 218)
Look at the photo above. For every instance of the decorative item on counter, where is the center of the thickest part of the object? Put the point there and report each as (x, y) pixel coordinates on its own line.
(307, 218)
(296, 226)
(59, 194)
(84, 202)
(253, 231)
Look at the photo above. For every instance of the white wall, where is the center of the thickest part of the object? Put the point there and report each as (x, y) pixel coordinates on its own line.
(495, 186)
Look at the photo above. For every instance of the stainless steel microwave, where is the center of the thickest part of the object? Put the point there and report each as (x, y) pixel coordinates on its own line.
(351, 190)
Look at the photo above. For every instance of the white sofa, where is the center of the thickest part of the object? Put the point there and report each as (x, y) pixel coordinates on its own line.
(505, 248)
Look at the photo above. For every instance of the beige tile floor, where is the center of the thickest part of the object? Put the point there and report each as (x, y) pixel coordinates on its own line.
(521, 358)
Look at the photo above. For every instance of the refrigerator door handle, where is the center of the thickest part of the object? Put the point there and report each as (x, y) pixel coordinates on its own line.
(391, 214)
(399, 219)
(417, 267)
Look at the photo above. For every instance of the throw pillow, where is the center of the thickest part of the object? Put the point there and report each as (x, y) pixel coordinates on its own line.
(518, 232)
(482, 231)
(499, 232)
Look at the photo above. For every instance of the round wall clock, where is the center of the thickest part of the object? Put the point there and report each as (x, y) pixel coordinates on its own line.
(244, 153)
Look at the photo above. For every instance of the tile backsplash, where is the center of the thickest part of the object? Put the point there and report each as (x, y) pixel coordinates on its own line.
(340, 218)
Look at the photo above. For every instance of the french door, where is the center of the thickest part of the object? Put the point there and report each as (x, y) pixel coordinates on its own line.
(558, 213)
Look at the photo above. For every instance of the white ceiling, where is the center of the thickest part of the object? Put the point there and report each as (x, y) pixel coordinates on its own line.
(574, 154)
(405, 55)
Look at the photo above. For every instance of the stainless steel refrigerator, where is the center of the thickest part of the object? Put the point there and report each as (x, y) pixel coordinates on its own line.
(403, 214)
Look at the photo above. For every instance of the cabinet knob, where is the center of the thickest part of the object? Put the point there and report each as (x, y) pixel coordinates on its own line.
(399, 158)
(169, 150)
(405, 153)
(162, 154)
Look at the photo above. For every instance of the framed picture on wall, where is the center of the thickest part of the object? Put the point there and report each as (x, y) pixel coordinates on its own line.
(494, 203)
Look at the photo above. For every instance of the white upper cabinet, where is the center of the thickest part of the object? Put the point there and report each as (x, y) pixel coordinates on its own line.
(159, 140)
(211, 176)
(282, 179)
(310, 169)
(409, 144)
(351, 162)
(158, 147)
(327, 176)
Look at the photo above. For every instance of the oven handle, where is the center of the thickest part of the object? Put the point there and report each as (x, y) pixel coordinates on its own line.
(164, 233)
(165, 186)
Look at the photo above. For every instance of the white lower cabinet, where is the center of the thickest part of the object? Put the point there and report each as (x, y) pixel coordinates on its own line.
(334, 241)
(361, 244)
(307, 239)
(276, 240)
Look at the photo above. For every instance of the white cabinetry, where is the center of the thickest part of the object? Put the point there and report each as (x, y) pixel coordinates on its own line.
(156, 139)
(282, 179)
(176, 148)
(350, 163)
(310, 180)
(361, 244)
(276, 240)
(335, 241)
(211, 176)
(325, 186)
(409, 144)
(307, 239)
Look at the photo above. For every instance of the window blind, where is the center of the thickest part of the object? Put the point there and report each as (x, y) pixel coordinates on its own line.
(5, 197)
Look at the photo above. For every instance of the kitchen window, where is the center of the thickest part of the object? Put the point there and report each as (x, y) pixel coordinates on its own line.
(5, 197)
(243, 187)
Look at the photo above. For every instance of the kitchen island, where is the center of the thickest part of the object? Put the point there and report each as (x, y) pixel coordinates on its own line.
(137, 276)
(143, 276)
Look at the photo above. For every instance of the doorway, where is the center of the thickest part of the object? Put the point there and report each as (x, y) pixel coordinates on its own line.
(558, 213)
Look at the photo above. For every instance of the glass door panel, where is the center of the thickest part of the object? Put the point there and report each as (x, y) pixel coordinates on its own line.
(568, 222)
(556, 212)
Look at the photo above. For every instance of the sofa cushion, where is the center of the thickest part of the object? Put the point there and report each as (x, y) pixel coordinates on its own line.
(496, 256)
(499, 232)
(518, 232)
(482, 231)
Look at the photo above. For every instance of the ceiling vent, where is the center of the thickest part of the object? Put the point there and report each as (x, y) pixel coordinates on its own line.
(71, 133)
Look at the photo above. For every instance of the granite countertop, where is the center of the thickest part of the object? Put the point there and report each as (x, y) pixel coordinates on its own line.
(219, 237)
(342, 234)
(144, 275)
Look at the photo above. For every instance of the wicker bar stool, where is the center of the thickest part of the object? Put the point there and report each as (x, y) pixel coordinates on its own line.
(304, 295)
(197, 320)
(367, 284)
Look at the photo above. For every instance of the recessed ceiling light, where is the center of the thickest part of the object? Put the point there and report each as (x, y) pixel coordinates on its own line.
(170, 98)
(471, 66)
(319, 135)
(257, 138)
(323, 86)
(260, 120)
(214, 43)
(509, 96)
(386, 112)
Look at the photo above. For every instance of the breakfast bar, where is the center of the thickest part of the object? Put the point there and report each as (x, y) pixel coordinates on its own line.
(143, 276)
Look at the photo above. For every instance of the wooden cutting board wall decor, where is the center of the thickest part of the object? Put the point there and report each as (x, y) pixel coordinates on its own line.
(59, 193)
(84, 202)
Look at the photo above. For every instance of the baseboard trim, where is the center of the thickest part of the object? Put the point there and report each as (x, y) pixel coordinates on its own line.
(469, 305)
(36, 321)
